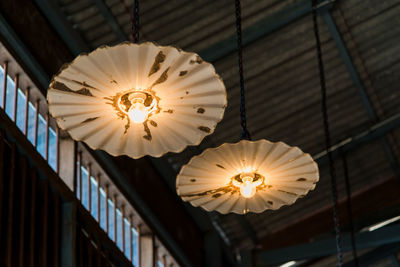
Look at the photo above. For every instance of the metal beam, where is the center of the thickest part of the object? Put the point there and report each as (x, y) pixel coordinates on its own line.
(377, 131)
(321, 248)
(105, 11)
(261, 29)
(359, 86)
(58, 20)
(375, 255)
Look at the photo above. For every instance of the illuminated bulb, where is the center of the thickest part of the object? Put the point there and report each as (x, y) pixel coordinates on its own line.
(248, 188)
(138, 113)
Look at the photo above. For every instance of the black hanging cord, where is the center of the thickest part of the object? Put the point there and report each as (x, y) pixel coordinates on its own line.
(349, 208)
(332, 170)
(245, 133)
(135, 21)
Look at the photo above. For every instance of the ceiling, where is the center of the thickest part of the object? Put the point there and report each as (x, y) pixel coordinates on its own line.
(361, 52)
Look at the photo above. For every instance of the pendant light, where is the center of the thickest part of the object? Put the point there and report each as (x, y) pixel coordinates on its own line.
(137, 99)
(248, 176)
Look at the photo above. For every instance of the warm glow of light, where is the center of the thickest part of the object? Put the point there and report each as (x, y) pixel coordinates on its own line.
(138, 113)
(248, 189)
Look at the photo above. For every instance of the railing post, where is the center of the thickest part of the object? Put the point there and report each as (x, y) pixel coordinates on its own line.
(68, 235)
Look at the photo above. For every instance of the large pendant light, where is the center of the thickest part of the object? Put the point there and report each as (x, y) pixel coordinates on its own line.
(137, 99)
(248, 176)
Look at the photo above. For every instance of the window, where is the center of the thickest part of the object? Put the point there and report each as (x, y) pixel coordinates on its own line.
(21, 108)
(85, 187)
(41, 136)
(31, 123)
(93, 197)
(119, 230)
(52, 149)
(135, 247)
(103, 223)
(111, 229)
(127, 233)
(10, 94)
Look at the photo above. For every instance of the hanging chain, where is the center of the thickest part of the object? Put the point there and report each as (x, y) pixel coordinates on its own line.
(332, 170)
(135, 22)
(349, 208)
(245, 133)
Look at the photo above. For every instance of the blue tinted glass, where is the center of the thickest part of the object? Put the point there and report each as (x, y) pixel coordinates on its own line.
(94, 197)
(21, 107)
(52, 149)
(119, 229)
(159, 264)
(111, 219)
(127, 227)
(41, 136)
(135, 246)
(31, 123)
(10, 94)
(85, 188)
(102, 209)
(1, 85)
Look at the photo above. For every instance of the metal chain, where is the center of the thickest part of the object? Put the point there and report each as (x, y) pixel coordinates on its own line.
(245, 133)
(135, 22)
(349, 208)
(332, 170)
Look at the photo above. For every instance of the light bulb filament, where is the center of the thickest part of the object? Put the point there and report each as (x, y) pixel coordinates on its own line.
(247, 183)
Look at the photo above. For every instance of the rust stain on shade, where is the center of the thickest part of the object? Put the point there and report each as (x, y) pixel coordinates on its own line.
(220, 166)
(169, 111)
(193, 180)
(204, 129)
(89, 119)
(182, 73)
(62, 87)
(163, 77)
(301, 180)
(160, 58)
(153, 123)
(201, 110)
(198, 60)
(148, 136)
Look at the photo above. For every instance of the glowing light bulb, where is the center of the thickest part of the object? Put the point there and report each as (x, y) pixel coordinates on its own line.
(248, 188)
(138, 113)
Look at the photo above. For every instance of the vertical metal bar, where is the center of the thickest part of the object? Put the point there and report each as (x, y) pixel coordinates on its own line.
(22, 217)
(2, 177)
(57, 239)
(3, 104)
(46, 154)
(32, 229)
(107, 193)
(16, 84)
(27, 92)
(79, 175)
(90, 187)
(45, 222)
(58, 151)
(11, 205)
(36, 122)
(98, 197)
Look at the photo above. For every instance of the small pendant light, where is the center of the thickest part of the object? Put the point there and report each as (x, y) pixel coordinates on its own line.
(248, 176)
(137, 99)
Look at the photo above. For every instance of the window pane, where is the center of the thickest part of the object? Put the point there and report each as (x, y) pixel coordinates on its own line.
(135, 246)
(21, 100)
(119, 229)
(52, 149)
(31, 123)
(10, 97)
(127, 227)
(159, 264)
(85, 188)
(111, 219)
(1, 84)
(41, 137)
(102, 209)
(94, 197)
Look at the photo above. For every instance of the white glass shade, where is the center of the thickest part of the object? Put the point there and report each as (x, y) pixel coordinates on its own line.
(247, 177)
(137, 99)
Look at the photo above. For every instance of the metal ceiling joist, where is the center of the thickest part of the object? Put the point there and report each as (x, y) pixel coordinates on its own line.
(377, 131)
(105, 11)
(375, 255)
(321, 248)
(262, 28)
(359, 86)
(70, 36)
